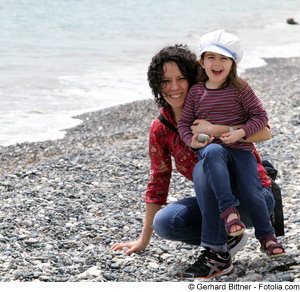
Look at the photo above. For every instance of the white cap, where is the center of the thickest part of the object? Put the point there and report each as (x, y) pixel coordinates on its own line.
(223, 43)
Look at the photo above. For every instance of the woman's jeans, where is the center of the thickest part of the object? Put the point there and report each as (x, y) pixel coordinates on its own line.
(182, 220)
(196, 220)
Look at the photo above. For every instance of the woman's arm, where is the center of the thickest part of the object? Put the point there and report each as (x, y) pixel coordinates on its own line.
(263, 135)
(151, 210)
(203, 126)
(144, 239)
(157, 189)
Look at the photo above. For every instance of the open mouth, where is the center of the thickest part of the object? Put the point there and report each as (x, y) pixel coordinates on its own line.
(217, 72)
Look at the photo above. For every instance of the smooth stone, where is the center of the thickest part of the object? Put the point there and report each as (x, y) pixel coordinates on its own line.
(203, 137)
(109, 277)
(4, 240)
(153, 265)
(31, 241)
(115, 266)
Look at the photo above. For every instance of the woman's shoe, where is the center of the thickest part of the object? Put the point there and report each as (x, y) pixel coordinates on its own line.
(236, 243)
(210, 264)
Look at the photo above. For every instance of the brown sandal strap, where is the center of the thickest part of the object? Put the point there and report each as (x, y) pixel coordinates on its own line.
(235, 221)
(229, 211)
(266, 238)
(269, 250)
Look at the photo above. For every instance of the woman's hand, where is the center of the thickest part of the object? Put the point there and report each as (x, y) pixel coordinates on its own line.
(202, 126)
(144, 239)
(132, 246)
(196, 144)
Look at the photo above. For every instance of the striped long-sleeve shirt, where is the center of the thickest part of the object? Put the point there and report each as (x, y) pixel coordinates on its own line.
(222, 107)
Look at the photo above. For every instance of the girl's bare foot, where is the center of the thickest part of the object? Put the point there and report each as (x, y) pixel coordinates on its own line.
(276, 250)
(234, 228)
(271, 247)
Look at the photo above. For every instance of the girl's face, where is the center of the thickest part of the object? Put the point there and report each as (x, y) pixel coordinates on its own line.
(174, 86)
(217, 68)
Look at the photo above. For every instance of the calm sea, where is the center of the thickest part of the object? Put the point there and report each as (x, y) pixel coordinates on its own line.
(60, 58)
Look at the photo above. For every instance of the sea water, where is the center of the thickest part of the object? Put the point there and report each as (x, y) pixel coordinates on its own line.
(61, 58)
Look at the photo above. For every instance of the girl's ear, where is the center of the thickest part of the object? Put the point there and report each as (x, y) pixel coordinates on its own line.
(200, 61)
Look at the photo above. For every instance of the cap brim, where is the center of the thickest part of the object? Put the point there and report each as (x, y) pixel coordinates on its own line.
(217, 50)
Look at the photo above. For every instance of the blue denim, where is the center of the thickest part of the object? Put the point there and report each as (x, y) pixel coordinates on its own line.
(228, 177)
(215, 159)
(196, 220)
(182, 220)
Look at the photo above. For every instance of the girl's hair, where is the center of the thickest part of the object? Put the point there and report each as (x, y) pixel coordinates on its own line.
(186, 62)
(237, 82)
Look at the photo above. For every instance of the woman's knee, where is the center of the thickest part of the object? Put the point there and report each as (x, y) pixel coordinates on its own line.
(171, 221)
(162, 224)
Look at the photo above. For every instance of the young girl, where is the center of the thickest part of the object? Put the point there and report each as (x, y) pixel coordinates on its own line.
(221, 97)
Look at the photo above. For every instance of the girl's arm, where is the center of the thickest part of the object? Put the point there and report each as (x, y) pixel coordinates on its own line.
(187, 117)
(203, 126)
(257, 115)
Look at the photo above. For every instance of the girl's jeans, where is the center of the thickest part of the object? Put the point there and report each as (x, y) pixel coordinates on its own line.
(200, 223)
(218, 169)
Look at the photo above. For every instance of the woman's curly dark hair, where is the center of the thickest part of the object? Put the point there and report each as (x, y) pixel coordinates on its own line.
(186, 62)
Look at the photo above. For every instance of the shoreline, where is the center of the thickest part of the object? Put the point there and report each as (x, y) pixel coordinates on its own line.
(73, 120)
(66, 201)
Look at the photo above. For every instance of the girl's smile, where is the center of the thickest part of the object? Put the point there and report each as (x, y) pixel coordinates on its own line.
(217, 68)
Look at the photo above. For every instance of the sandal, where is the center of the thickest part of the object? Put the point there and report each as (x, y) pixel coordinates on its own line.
(270, 249)
(237, 221)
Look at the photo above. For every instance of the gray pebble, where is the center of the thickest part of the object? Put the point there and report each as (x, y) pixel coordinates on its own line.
(203, 138)
(115, 266)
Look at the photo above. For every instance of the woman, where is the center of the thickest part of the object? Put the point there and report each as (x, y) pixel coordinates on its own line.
(171, 73)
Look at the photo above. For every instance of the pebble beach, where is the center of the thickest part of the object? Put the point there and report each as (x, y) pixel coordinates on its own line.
(65, 202)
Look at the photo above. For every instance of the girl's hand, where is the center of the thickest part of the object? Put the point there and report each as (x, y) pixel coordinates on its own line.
(132, 246)
(202, 126)
(196, 144)
(233, 136)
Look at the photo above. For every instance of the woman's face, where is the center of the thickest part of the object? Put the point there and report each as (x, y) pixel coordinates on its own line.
(174, 86)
